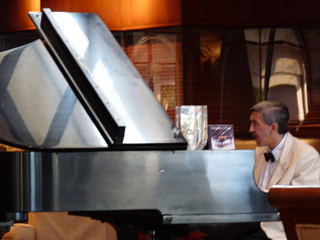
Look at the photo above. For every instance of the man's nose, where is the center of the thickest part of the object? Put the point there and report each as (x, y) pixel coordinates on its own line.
(251, 128)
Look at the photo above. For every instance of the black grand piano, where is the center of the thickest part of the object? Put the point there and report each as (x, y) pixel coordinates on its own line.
(98, 143)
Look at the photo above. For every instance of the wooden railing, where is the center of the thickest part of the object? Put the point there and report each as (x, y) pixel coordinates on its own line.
(299, 208)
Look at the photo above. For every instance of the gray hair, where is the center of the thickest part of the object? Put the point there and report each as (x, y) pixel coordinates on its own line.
(273, 112)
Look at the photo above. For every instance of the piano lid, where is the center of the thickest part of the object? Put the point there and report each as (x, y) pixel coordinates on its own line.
(77, 89)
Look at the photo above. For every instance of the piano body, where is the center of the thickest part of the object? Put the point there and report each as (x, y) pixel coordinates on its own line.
(99, 144)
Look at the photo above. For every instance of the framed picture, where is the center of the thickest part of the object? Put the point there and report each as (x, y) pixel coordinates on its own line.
(221, 136)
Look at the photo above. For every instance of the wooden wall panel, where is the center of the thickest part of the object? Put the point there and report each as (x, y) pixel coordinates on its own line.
(14, 15)
(123, 15)
(139, 14)
(249, 12)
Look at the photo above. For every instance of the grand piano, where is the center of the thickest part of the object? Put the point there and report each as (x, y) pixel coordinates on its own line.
(97, 142)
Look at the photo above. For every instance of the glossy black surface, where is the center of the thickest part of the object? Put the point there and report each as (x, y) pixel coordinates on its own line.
(38, 109)
(78, 90)
(185, 187)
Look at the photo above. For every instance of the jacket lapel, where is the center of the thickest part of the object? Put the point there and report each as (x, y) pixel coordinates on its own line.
(259, 162)
(283, 162)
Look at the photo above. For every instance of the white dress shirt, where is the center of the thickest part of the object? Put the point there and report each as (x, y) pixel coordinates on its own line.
(269, 166)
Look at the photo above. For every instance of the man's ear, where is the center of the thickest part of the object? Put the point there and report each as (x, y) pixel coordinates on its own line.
(274, 127)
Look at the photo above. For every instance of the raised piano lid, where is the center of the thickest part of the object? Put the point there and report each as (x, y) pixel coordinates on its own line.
(77, 89)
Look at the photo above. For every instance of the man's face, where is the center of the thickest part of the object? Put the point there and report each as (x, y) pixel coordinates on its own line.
(261, 132)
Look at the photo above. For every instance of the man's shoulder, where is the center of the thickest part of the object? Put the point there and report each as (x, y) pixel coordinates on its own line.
(298, 145)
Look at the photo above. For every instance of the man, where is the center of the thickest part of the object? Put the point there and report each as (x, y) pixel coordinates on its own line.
(291, 161)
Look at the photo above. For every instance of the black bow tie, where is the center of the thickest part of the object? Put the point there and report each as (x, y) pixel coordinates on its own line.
(269, 156)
